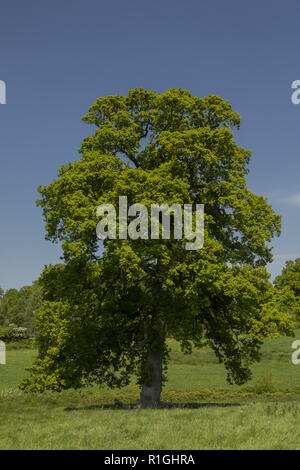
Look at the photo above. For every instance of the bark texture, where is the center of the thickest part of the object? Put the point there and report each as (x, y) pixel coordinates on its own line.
(152, 386)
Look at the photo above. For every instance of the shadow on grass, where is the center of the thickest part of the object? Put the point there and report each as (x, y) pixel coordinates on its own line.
(163, 406)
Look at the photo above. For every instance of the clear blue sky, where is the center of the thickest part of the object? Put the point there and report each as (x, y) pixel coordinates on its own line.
(57, 57)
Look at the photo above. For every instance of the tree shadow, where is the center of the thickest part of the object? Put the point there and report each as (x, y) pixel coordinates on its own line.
(163, 406)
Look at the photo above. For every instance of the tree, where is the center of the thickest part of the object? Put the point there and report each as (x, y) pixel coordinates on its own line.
(7, 306)
(289, 280)
(18, 307)
(107, 310)
(290, 277)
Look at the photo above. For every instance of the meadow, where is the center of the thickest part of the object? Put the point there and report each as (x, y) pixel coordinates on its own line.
(200, 409)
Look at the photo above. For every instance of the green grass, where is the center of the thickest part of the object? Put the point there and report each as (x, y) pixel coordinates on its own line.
(201, 411)
(202, 370)
(13, 371)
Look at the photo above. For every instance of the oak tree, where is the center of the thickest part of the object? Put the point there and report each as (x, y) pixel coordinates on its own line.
(108, 309)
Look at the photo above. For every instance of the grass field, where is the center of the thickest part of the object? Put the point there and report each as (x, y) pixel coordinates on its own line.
(201, 411)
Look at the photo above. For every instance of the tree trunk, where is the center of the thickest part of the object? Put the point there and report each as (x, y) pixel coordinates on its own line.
(153, 364)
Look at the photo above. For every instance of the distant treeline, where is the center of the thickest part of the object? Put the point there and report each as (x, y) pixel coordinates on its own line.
(18, 307)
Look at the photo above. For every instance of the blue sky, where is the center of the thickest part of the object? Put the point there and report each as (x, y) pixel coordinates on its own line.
(58, 57)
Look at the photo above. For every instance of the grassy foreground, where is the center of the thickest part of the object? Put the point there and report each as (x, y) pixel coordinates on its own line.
(201, 410)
